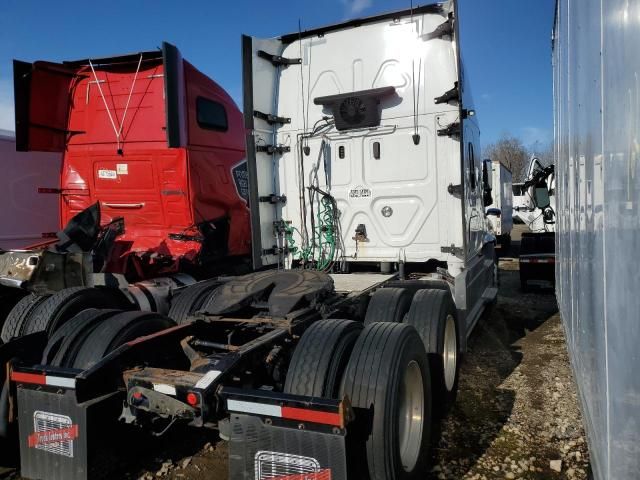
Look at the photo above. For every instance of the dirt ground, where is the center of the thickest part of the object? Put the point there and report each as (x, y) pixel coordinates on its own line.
(516, 416)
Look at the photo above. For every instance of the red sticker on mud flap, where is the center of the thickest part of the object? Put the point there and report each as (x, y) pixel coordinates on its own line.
(53, 433)
(324, 474)
(53, 436)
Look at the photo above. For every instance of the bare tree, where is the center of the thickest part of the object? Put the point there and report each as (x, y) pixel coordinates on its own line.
(510, 151)
(543, 151)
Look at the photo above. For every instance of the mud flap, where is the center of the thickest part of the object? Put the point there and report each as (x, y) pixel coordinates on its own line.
(259, 449)
(55, 439)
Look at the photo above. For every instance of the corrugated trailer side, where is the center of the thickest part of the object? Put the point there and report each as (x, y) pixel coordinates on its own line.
(597, 131)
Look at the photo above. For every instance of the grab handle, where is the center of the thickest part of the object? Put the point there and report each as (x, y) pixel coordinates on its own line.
(132, 206)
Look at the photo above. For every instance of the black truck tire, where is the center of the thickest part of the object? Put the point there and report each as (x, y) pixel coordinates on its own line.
(388, 305)
(64, 342)
(9, 297)
(433, 315)
(13, 325)
(65, 304)
(389, 384)
(120, 329)
(190, 300)
(320, 358)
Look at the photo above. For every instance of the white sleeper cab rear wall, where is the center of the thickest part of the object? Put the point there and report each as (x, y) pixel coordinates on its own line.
(404, 188)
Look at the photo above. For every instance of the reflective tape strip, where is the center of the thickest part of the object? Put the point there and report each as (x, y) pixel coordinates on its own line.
(61, 382)
(41, 379)
(164, 388)
(289, 413)
(36, 378)
(256, 408)
(208, 379)
(314, 416)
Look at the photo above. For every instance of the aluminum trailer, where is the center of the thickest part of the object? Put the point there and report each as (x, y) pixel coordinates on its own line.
(26, 215)
(500, 211)
(596, 62)
(341, 353)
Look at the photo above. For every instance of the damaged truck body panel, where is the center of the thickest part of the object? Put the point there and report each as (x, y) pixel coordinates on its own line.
(151, 139)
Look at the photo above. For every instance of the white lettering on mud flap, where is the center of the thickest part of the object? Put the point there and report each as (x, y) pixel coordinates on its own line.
(285, 466)
(53, 433)
(107, 174)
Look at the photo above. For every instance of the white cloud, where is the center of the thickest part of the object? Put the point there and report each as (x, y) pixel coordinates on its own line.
(355, 7)
(6, 105)
(531, 135)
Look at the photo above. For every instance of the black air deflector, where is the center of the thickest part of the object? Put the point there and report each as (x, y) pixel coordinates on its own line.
(356, 109)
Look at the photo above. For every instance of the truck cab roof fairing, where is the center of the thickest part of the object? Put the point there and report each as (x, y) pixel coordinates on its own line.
(42, 92)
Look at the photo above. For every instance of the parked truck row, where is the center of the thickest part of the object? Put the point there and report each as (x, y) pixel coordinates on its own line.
(353, 193)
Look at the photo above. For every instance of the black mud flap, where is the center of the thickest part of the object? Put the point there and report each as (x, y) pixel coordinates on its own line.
(260, 449)
(56, 442)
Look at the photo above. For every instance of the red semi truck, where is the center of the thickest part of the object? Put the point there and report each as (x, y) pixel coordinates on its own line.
(154, 142)
(153, 182)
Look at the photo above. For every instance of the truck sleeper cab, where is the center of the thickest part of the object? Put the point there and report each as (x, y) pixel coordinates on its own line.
(154, 142)
(329, 360)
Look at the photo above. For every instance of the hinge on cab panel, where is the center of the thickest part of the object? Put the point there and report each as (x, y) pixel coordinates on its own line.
(450, 130)
(453, 94)
(455, 190)
(271, 119)
(271, 149)
(275, 250)
(453, 250)
(277, 60)
(274, 199)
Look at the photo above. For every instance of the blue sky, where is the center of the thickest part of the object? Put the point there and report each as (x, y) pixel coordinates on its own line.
(506, 44)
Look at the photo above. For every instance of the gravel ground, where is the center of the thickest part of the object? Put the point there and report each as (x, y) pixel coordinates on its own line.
(516, 416)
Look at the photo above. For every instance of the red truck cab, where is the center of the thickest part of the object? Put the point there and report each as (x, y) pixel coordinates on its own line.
(153, 141)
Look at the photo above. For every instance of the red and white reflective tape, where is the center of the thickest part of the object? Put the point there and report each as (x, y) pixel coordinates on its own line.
(42, 379)
(288, 413)
(537, 260)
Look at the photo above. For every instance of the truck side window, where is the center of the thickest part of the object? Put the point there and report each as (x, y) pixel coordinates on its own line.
(472, 168)
(211, 115)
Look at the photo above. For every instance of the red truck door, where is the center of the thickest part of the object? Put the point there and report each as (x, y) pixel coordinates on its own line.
(42, 105)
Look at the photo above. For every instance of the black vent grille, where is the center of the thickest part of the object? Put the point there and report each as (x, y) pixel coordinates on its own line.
(356, 109)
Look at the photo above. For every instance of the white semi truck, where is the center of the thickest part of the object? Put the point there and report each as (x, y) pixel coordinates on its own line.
(373, 264)
(500, 212)
(537, 247)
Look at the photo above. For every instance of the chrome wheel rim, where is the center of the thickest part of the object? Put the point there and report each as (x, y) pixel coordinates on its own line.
(450, 353)
(411, 415)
